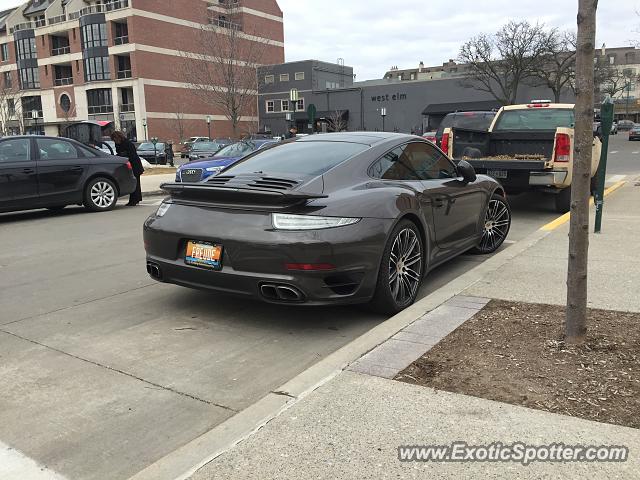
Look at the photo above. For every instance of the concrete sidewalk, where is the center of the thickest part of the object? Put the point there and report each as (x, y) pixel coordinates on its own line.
(151, 183)
(351, 426)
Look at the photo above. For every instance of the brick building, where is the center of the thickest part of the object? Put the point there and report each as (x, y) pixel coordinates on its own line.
(121, 61)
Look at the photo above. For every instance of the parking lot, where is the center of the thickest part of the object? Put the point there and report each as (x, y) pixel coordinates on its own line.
(106, 371)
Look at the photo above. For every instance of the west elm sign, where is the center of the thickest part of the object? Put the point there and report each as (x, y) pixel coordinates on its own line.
(393, 97)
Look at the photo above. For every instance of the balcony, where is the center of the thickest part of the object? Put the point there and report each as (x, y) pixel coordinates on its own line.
(100, 109)
(123, 74)
(224, 23)
(121, 40)
(57, 19)
(21, 26)
(58, 82)
(126, 108)
(60, 51)
(100, 8)
(41, 22)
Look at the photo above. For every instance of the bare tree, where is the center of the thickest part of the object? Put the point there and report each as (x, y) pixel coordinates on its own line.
(10, 108)
(178, 122)
(609, 80)
(223, 74)
(499, 63)
(336, 121)
(556, 70)
(576, 319)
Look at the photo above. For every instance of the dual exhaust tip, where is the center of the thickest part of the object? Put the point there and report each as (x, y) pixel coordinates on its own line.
(281, 292)
(153, 269)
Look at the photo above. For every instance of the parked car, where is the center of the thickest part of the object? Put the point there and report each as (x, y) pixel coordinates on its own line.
(634, 133)
(53, 172)
(340, 218)
(153, 154)
(204, 150)
(186, 146)
(527, 147)
(430, 136)
(199, 170)
(624, 125)
(480, 120)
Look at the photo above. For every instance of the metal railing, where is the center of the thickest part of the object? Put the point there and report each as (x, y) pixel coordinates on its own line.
(124, 73)
(27, 114)
(100, 8)
(225, 23)
(121, 40)
(41, 22)
(60, 51)
(57, 19)
(98, 109)
(21, 26)
(126, 107)
(63, 81)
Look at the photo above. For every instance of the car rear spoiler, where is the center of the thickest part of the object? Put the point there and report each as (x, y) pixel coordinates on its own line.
(237, 195)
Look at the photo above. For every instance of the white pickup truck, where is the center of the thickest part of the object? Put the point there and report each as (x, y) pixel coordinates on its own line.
(527, 147)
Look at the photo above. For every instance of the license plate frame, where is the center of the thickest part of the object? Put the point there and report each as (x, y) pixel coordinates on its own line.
(199, 253)
(498, 173)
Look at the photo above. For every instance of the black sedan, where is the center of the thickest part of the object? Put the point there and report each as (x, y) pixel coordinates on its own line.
(52, 172)
(328, 219)
(634, 133)
(152, 153)
(202, 150)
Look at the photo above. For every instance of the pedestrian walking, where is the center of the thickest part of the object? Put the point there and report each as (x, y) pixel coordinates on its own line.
(124, 148)
(168, 151)
(293, 132)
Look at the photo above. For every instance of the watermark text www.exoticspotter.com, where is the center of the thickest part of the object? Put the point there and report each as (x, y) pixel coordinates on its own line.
(515, 452)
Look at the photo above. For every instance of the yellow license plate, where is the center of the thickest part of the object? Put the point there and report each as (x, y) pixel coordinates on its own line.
(203, 254)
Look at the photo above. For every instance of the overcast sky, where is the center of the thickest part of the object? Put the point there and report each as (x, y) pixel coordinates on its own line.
(373, 35)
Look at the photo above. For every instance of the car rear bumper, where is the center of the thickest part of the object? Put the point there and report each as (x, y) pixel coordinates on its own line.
(255, 256)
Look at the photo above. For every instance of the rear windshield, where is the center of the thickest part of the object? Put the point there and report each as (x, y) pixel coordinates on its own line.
(470, 120)
(206, 146)
(305, 158)
(534, 119)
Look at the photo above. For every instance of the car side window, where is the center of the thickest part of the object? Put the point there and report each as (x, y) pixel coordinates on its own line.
(15, 150)
(54, 149)
(414, 161)
(429, 162)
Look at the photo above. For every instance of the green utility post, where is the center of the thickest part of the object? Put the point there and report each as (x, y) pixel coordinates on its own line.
(606, 120)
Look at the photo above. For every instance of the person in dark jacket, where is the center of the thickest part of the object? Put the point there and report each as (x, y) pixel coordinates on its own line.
(124, 148)
(168, 151)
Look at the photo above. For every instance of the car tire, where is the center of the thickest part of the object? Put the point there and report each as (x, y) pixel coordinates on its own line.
(100, 195)
(563, 200)
(497, 223)
(398, 282)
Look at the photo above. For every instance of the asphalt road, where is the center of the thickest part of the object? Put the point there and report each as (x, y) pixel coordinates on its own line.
(104, 371)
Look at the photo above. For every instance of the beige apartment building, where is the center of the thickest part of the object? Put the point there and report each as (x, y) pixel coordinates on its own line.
(120, 61)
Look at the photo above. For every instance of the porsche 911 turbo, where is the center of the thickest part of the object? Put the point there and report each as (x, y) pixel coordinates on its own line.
(339, 218)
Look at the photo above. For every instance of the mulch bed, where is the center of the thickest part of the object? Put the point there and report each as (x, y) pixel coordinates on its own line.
(515, 353)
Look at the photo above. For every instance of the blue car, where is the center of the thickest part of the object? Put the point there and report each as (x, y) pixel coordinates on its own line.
(202, 169)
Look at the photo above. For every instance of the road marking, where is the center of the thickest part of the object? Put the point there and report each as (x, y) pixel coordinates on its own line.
(635, 153)
(614, 151)
(16, 466)
(565, 218)
(616, 178)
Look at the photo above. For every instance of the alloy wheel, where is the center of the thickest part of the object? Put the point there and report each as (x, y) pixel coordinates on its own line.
(102, 194)
(405, 266)
(496, 226)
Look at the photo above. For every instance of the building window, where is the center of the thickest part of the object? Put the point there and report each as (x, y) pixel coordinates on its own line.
(124, 66)
(96, 68)
(300, 105)
(11, 107)
(59, 45)
(26, 48)
(122, 34)
(4, 52)
(271, 106)
(31, 104)
(299, 75)
(413, 76)
(29, 78)
(332, 85)
(269, 79)
(612, 60)
(99, 101)
(65, 103)
(94, 35)
(284, 77)
(285, 105)
(8, 83)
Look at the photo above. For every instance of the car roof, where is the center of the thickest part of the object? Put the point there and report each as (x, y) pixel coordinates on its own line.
(365, 138)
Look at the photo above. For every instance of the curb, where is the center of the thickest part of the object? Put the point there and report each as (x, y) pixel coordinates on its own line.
(154, 193)
(185, 461)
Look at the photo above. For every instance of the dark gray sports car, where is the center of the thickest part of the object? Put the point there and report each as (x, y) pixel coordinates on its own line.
(327, 219)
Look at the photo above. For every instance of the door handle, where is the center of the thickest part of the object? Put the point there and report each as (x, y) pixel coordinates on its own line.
(28, 170)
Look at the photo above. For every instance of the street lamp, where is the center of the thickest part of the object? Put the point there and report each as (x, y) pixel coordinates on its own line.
(34, 116)
(628, 86)
(209, 125)
(144, 125)
(383, 113)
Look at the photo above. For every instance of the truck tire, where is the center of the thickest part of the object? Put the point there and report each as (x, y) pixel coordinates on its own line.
(563, 200)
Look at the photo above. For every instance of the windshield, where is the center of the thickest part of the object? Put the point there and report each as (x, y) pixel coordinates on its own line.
(149, 146)
(209, 146)
(239, 149)
(306, 158)
(535, 119)
(470, 120)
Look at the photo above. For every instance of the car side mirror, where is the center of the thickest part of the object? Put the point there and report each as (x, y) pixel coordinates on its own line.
(466, 171)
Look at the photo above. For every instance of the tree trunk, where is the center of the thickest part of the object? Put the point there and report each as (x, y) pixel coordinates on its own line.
(576, 321)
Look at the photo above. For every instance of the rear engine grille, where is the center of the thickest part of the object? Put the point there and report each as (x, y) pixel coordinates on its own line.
(191, 175)
(253, 181)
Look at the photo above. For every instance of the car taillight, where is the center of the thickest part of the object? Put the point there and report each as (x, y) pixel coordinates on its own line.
(563, 147)
(129, 166)
(309, 266)
(444, 143)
